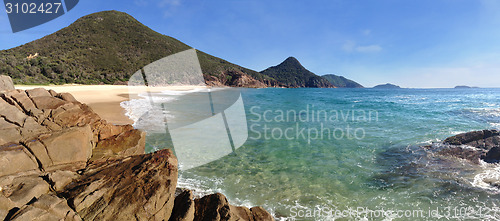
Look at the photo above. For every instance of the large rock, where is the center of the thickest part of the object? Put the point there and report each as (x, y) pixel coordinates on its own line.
(216, 207)
(6, 83)
(136, 188)
(38, 92)
(183, 207)
(475, 145)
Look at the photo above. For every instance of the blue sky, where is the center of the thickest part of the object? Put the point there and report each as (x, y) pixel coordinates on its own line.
(413, 43)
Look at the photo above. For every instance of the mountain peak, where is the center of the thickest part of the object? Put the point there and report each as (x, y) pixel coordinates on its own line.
(291, 62)
(292, 74)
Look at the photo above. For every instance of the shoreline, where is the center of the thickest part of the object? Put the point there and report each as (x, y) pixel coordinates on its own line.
(105, 99)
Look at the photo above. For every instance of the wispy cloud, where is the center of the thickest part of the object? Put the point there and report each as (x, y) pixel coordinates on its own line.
(369, 48)
(366, 32)
(351, 46)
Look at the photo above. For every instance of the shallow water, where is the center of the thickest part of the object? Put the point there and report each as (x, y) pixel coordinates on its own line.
(360, 155)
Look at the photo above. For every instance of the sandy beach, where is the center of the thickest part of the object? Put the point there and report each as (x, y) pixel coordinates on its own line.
(105, 99)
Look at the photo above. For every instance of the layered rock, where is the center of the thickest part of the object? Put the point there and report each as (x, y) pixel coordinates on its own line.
(474, 146)
(61, 161)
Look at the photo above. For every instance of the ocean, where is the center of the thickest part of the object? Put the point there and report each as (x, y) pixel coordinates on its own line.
(346, 154)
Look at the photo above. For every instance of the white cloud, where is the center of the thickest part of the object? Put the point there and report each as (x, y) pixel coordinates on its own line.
(369, 48)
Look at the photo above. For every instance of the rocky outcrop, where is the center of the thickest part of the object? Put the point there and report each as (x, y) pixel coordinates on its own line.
(61, 161)
(139, 187)
(474, 146)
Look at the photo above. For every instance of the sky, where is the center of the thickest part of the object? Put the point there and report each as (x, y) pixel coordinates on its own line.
(411, 43)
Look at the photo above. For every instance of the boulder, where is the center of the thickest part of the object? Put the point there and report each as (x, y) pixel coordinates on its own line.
(6, 83)
(135, 188)
(183, 207)
(260, 214)
(480, 139)
(215, 207)
(16, 159)
(493, 155)
(67, 97)
(38, 92)
(474, 146)
(44, 102)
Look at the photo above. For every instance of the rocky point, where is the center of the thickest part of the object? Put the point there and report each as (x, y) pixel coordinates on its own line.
(60, 161)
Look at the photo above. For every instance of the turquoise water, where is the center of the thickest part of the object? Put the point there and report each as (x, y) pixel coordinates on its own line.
(360, 151)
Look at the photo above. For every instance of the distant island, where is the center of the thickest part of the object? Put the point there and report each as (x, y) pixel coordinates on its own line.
(464, 87)
(387, 86)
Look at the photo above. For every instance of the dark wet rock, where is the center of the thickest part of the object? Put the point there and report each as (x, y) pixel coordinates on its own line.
(216, 207)
(183, 207)
(260, 213)
(474, 146)
(493, 155)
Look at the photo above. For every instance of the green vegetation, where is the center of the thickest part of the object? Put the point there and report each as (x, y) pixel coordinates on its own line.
(291, 73)
(101, 48)
(341, 82)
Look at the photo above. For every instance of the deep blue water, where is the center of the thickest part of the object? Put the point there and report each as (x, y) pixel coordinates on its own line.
(360, 149)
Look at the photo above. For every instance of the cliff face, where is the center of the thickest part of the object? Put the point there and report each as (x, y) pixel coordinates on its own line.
(290, 73)
(60, 161)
